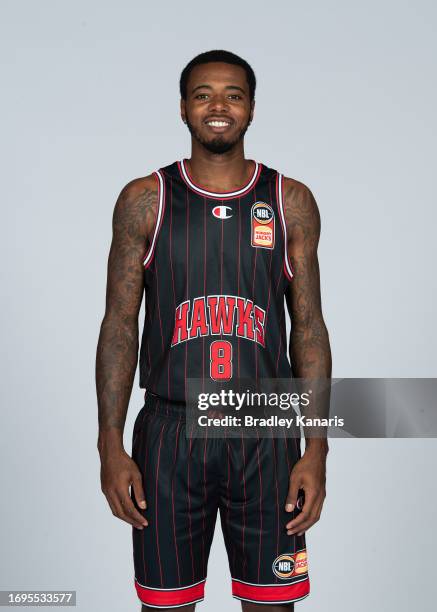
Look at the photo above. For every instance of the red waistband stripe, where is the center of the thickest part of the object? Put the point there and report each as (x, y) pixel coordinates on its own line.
(171, 598)
(281, 593)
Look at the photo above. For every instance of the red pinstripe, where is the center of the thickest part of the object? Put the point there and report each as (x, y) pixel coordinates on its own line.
(270, 269)
(280, 343)
(172, 275)
(277, 500)
(204, 289)
(260, 505)
(205, 497)
(172, 501)
(187, 274)
(227, 488)
(244, 504)
(146, 453)
(159, 309)
(238, 279)
(255, 344)
(221, 260)
(156, 503)
(189, 502)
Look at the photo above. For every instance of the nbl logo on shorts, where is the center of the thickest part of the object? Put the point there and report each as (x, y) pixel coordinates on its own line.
(283, 566)
(288, 565)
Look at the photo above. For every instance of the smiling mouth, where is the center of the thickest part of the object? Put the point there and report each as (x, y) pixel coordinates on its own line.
(216, 123)
(218, 126)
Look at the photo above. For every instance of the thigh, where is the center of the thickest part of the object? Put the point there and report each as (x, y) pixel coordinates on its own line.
(171, 554)
(266, 564)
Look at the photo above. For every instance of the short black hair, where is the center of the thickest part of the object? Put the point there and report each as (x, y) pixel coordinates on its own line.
(217, 55)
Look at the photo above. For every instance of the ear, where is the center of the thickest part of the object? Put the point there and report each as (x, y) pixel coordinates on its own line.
(183, 111)
(252, 110)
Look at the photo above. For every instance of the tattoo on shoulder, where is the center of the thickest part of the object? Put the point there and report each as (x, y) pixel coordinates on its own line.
(300, 207)
(136, 209)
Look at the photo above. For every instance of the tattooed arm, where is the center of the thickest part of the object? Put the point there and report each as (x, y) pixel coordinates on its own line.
(117, 351)
(310, 352)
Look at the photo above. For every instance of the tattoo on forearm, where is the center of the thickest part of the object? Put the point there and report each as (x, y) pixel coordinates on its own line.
(117, 351)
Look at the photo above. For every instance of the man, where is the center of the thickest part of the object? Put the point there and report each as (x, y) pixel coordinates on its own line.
(215, 242)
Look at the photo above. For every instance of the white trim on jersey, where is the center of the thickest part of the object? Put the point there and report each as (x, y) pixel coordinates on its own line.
(284, 227)
(149, 255)
(225, 194)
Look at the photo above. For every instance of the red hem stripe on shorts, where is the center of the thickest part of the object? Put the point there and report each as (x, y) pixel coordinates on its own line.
(280, 593)
(170, 597)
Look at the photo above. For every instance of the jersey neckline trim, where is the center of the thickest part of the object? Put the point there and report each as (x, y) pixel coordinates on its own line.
(224, 194)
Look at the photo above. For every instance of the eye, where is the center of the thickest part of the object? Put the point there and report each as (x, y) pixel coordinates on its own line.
(235, 97)
(201, 96)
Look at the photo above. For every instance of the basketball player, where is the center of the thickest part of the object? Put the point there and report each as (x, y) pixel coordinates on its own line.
(215, 242)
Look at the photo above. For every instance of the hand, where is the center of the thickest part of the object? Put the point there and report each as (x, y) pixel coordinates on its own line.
(309, 474)
(118, 472)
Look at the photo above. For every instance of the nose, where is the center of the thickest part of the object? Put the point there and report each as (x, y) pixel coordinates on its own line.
(218, 102)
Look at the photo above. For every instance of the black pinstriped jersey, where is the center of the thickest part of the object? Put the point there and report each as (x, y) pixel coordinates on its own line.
(216, 272)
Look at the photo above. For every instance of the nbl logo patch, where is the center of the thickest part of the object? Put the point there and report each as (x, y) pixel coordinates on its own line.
(283, 566)
(288, 565)
(262, 219)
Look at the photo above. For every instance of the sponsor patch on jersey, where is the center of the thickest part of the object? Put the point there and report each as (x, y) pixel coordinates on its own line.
(222, 212)
(262, 219)
(288, 565)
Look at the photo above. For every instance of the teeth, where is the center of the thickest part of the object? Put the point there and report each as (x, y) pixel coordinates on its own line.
(218, 123)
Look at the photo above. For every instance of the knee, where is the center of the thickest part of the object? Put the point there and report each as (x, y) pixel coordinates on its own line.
(254, 607)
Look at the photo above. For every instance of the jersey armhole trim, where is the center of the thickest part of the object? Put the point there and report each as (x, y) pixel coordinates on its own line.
(288, 269)
(161, 205)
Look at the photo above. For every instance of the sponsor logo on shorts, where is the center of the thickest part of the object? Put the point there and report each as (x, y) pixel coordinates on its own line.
(288, 565)
(262, 225)
(300, 563)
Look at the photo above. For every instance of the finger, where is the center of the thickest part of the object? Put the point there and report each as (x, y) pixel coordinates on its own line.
(304, 527)
(313, 520)
(131, 512)
(312, 513)
(309, 504)
(116, 506)
(293, 490)
(118, 510)
(137, 486)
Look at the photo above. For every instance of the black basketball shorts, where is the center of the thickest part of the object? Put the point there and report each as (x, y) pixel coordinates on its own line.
(185, 482)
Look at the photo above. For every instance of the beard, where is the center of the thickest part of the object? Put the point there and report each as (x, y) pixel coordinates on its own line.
(218, 145)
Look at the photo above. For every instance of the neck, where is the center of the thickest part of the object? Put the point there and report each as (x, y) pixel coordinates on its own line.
(219, 172)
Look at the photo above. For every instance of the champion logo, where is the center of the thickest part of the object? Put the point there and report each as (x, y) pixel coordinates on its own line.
(221, 212)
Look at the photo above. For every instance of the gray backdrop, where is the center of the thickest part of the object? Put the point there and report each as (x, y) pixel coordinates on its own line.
(346, 103)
